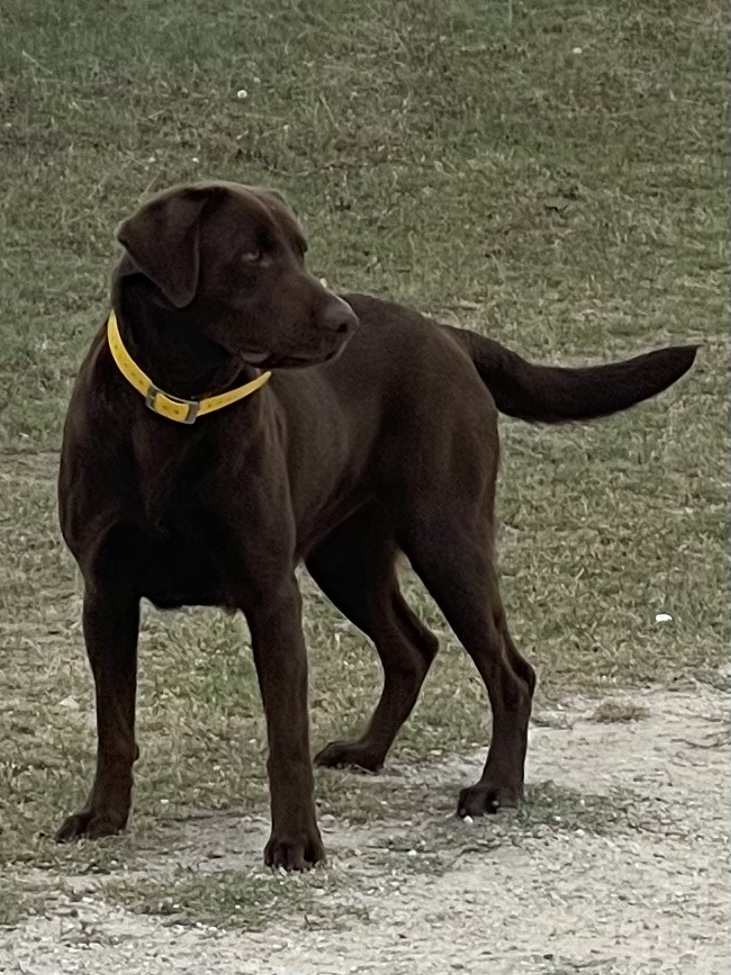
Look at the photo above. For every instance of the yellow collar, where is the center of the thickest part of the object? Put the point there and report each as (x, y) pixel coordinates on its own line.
(179, 410)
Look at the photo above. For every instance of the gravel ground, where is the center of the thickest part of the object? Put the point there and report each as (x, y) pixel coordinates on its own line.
(649, 896)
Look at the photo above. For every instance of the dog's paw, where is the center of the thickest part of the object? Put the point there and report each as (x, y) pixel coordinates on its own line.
(349, 754)
(488, 798)
(89, 824)
(299, 851)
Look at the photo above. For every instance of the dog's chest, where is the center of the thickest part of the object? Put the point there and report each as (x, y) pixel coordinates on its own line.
(191, 552)
(185, 560)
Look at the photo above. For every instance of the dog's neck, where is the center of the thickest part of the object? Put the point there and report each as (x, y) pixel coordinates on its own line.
(170, 345)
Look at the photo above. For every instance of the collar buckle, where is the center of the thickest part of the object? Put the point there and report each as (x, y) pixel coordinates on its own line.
(151, 403)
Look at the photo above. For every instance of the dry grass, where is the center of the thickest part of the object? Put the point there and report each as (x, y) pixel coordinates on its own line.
(609, 712)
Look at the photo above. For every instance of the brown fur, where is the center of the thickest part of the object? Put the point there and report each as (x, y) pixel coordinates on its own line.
(387, 443)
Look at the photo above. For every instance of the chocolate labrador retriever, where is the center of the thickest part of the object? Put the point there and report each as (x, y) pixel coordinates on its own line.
(287, 424)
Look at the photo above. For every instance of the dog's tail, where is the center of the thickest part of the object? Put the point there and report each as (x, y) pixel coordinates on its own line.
(553, 394)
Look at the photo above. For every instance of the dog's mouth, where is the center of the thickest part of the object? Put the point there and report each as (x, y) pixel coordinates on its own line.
(255, 358)
(288, 360)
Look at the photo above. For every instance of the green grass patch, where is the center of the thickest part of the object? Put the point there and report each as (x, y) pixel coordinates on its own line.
(612, 712)
(20, 901)
(249, 902)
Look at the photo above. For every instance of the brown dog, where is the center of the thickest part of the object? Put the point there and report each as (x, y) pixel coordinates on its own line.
(387, 442)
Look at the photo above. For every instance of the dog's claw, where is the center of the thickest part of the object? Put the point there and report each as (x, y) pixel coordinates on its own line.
(488, 798)
(349, 754)
(87, 824)
(294, 852)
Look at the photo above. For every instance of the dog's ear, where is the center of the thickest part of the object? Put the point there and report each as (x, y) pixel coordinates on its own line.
(163, 240)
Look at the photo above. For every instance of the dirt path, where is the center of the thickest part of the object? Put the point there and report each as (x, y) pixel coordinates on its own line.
(647, 894)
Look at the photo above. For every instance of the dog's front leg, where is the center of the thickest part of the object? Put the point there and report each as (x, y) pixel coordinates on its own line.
(111, 625)
(281, 664)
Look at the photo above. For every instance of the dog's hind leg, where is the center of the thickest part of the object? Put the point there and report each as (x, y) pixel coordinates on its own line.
(453, 557)
(355, 568)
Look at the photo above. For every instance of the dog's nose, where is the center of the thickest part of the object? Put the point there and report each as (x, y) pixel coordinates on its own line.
(339, 317)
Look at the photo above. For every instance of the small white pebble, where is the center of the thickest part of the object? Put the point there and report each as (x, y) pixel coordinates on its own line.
(195, 159)
(663, 618)
(577, 50)
(411, 853)
(468, 819)
(242, 93)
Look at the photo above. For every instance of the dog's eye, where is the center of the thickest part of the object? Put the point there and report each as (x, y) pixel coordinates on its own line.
(252, 257)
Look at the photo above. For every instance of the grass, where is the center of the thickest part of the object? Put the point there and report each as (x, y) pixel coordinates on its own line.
(553, 174)
(229, 898)
(18, 903)
(611, 712)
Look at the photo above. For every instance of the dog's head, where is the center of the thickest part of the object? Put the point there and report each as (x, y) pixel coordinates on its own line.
(230, 260)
